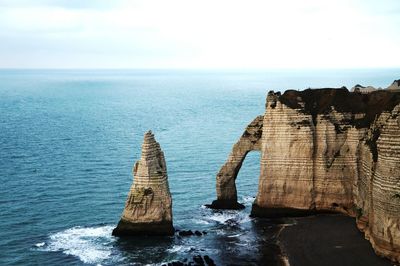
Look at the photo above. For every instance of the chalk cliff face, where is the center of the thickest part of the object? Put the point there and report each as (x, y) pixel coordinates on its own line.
(377, 193)
(148, 208)
(331, 150)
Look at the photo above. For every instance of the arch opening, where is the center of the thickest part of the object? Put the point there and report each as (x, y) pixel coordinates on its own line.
(248, 178)
(226, 177)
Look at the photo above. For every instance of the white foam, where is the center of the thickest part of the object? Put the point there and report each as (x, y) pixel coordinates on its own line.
(237, 235)
(245, 219)
(197, 221)
(234, 216)
(221, 217)
(242, 244)
(89, 244)
(180, 249)
(41, 244)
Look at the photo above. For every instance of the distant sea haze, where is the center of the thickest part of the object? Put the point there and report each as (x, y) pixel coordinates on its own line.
(69, 138)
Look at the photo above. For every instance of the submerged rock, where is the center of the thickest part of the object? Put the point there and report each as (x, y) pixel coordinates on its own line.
(197, 260)
(148, 208)
(209, 261)
(191, 233)
(185, 233)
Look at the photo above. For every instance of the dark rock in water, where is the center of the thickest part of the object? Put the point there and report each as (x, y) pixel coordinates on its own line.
(209, 261)
(198, 260)
(126, 228)
(177, 263)
(174, 263)
(225, 205)
(232, 222)
(185, 233)
(190, 233)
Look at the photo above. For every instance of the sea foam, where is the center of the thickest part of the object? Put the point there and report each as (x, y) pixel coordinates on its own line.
(229, 217)
(90, 244)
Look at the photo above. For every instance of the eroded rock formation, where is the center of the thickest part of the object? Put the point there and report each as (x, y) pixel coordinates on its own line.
(331, 150)
(226, 187)
(395, 85)
(148, 208)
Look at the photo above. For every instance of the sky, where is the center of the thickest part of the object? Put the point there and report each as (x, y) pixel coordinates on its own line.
(243, 34)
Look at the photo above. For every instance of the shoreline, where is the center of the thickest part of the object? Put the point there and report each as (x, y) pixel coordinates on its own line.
(327, 239)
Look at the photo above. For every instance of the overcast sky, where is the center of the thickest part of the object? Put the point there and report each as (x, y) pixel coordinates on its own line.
(199, 34)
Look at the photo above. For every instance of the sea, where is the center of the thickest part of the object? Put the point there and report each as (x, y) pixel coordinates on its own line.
(69, 139)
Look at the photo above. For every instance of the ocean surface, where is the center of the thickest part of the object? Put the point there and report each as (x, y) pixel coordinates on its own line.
(69, 139)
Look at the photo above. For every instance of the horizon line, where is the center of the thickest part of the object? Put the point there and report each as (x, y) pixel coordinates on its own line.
(202, 68)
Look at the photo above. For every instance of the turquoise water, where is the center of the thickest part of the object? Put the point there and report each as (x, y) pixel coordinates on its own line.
(69, 138)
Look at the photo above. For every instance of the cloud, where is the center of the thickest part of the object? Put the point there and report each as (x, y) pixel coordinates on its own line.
(70, 4)
(188, 33)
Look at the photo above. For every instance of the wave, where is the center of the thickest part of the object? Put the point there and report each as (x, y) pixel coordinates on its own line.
(247, 200)
(180, 249)
(199, 221)
(90, 244)
(237, 235)
(230, 217)
(40, 244)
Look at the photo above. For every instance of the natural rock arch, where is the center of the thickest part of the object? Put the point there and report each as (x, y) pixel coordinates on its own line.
(326, 150)
(226, 177)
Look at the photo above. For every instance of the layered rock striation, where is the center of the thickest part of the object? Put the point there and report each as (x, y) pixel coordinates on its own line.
(148, 208)
(331, 150)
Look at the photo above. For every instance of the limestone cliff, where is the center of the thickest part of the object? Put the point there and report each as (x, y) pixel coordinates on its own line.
(331, 150)
(148, 208)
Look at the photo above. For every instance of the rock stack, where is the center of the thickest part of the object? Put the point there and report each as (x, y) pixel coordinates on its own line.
(148, 208)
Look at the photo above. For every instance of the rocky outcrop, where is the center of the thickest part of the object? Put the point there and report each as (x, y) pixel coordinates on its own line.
(148, 208)
(331, 150)
(361, 89)
(226, 187)
(395, 85)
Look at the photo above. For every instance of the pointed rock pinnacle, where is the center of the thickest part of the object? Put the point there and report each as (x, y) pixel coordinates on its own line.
(148, 208)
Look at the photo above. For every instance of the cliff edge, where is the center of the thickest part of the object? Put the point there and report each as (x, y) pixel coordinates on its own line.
(332, 150)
